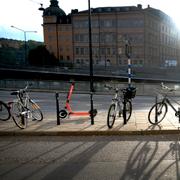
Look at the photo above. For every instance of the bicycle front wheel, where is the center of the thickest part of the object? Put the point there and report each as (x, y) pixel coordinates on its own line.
(111, 115)
(4, 111)
(19, 115)
(127, 110)
(36, 111)
(157, 113)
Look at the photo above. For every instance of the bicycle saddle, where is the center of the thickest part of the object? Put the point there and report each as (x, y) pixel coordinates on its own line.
(15, 93)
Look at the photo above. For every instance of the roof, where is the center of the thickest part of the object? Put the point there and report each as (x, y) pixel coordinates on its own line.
(54, 9)
(112, 9)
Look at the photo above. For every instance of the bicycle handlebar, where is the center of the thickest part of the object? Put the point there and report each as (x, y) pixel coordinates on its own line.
(26, 87)
(20, 92)
(107, 86)
(115, 89)
(164, 87)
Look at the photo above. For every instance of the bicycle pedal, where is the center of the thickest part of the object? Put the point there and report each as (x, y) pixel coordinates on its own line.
(177, 114)
(24, 112)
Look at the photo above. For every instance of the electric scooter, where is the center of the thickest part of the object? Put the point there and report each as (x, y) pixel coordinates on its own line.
(67, 111)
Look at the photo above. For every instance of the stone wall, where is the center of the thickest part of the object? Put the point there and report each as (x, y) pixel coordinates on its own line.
(143, 88)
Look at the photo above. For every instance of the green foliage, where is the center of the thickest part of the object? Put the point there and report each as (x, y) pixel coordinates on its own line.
(33, 44)
(7, 56)
(12, 52)
(40, 56)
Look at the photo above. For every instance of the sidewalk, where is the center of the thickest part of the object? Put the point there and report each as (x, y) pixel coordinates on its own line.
(137, 125)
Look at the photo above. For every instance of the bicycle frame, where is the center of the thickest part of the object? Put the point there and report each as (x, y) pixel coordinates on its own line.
(120, 104)
(117, 98)
(167, 101)
(158, 111)
(24, 99)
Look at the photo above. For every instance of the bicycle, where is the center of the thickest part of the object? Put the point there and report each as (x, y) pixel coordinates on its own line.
(121, 105)
(24, 108)
(4, 111)
(159, 110)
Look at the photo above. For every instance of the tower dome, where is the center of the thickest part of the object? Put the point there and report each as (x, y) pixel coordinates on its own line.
(54, 9)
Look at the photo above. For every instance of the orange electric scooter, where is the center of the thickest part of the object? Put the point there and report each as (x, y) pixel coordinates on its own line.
(67, 111)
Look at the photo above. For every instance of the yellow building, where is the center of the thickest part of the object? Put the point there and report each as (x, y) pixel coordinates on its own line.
(152, 33)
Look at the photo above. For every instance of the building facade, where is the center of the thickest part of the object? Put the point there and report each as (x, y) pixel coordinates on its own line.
(152, 34)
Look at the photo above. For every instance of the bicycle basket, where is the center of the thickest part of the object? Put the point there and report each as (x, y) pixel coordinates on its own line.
(130, 92)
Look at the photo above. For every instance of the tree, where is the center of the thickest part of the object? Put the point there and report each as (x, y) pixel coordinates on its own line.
(8, 56)
(40, 56)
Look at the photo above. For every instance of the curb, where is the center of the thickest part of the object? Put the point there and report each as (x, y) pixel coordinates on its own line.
(88, 133)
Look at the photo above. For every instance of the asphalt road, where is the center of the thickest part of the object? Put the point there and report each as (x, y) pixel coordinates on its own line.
(92, 157)
(79, 101)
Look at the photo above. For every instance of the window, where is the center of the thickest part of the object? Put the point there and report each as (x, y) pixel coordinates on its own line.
(102, 51)
(130, 23)
(82, 51)
(61, 57)
(68, 58)
(77, 61)
(170, 63)
(81, 24)
(77, 50)
(50, 38)
(50, 29)
(95, 38)
(107, 38)
(107, 23)
(108, 51)
(95, 23)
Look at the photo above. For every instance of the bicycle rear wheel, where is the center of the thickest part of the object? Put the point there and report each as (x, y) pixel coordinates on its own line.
(157, 113)
(19, 115)
(36, 111)
(127, 110)
(111, 115)
(4, 111)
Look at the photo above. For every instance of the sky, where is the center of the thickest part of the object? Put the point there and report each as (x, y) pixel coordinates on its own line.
(24, 14)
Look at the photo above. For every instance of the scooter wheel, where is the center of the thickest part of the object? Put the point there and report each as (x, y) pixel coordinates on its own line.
(63, 113)
(94, 112)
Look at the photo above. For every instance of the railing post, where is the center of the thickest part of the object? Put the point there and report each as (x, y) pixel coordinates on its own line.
(90, 64)
(124, 110)
(156, 120)
(57, 108)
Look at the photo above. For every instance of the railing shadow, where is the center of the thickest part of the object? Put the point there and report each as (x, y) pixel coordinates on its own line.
(141, 166)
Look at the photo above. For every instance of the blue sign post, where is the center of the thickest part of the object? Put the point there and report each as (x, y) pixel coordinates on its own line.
(128, 51)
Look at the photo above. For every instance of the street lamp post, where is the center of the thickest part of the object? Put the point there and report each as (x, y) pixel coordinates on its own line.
(25, 44)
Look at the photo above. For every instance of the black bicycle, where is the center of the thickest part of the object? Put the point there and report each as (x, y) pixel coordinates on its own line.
(159, 110)
(4, 111)
(121, 105)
